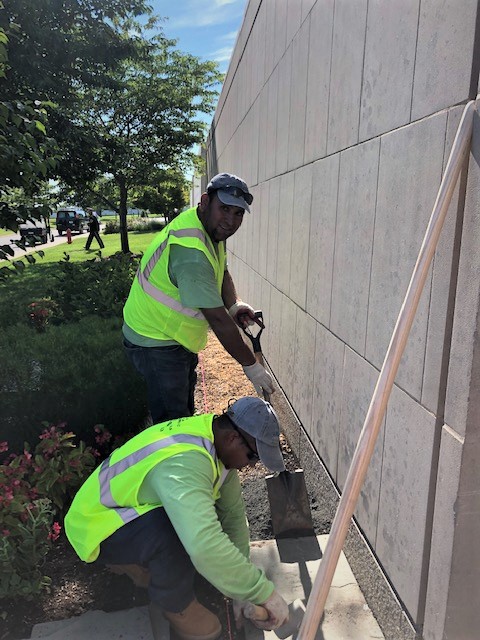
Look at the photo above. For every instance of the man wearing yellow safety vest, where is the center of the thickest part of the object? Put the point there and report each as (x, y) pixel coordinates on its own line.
(168, 503)
(181, 288)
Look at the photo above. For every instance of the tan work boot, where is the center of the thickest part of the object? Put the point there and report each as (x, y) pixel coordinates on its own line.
(193, 623)
(139, 575)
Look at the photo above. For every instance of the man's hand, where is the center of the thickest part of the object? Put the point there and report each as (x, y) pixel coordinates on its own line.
(242, 313)
(260, 378)
(276, 608)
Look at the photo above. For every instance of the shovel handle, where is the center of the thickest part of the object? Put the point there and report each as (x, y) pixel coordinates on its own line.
(255, 612)
(259, 359)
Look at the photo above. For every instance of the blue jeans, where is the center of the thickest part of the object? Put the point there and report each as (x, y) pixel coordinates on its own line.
(170, 376)
(151, 541)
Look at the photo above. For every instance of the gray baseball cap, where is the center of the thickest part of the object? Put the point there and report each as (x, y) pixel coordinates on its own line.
(257, 418)
(231, 190)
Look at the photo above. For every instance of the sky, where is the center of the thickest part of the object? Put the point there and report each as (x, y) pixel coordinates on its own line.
(204, 28)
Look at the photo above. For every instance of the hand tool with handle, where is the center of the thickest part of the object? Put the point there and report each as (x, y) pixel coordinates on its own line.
(287, 492)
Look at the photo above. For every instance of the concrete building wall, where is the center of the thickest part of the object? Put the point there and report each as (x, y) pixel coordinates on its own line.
(341, 114)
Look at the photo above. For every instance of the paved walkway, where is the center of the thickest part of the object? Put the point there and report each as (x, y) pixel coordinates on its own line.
(291, 564)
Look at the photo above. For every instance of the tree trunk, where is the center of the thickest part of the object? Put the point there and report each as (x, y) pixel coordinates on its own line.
(123, 213)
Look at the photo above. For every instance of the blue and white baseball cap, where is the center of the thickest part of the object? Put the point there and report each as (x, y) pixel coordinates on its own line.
(257, 418)
(231, 190)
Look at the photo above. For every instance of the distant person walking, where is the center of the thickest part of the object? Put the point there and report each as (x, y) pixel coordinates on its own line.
(94, 228)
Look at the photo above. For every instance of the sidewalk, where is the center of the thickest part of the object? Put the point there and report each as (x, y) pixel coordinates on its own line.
(291, 564)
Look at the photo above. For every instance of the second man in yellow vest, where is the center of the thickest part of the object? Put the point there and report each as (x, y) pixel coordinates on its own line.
(168, 503)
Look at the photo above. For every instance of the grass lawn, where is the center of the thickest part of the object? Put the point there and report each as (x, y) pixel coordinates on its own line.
(138, 242)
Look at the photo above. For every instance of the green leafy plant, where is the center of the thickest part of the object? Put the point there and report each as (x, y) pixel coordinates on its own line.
(23, 548)
(34, 490)
(96, 287)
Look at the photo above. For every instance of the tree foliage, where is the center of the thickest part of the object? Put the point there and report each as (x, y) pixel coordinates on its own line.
(142, 122)
(48, 50)
(90, 95)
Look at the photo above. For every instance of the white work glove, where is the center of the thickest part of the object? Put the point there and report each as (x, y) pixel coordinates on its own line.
(242, 314)
(277, 610)
(259, 377)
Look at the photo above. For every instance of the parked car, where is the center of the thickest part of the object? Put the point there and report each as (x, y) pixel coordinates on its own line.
(35, 231)
(71, 219)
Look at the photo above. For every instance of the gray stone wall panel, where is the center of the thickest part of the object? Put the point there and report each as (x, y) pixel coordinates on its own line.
(327, 396)
(388, 67)
(304, 340)
(441, 284)
(359, 379)
(444, 55)
(298, 97)
(354, 243)
(461, 386)
(318, 80)
(283, 112)
(347, 63)
(404, 205)
(273, 229)
(402, 513)
(442, 534)
(302, 203)
(285, 232)
(322, 237)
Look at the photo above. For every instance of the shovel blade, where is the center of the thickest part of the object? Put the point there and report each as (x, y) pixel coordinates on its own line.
(289, 505)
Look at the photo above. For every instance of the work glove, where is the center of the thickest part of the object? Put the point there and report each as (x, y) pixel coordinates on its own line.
(242, 314)
(276, 608)
(259, 377)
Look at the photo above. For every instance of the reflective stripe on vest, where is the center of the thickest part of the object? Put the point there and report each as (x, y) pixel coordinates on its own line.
(108, 472)
(158, 294)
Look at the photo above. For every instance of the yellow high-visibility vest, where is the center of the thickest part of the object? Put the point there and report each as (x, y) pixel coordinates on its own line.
(108, 499)
(153, 308)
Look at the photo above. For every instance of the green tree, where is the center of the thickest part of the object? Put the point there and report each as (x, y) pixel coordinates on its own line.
(48, 51)
(170, 191)
(145, 120)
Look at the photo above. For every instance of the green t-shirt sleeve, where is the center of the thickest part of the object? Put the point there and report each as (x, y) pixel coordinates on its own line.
(192, 273)
(183, 484)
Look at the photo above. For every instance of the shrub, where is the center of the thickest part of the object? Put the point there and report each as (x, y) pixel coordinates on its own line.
(34, 489)
(137, 225)
(98, 287)
(40, 312)
(76, 372)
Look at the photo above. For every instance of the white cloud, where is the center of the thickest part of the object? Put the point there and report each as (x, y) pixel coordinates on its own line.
(228, 37)
(203, 13)
(221, 55)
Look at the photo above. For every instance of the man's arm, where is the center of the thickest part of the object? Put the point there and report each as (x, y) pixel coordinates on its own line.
(241, 312)
(227, 332)
(229, 295)
(183, 485)
(196, 283)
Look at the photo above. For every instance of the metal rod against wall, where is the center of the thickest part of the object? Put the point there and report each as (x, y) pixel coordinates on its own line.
(376, 411)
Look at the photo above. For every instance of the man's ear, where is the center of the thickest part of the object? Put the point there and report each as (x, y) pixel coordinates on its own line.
(231, 437)
(204, 201)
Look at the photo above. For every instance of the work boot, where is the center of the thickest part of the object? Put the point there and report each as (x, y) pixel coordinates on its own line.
(193, 623)
(139, 575)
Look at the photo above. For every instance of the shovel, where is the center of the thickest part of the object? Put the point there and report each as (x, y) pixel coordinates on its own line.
(287, 492)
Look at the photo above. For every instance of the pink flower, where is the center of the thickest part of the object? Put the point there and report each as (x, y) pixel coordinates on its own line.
(55, 532)
(6, 532)
(3, 446)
